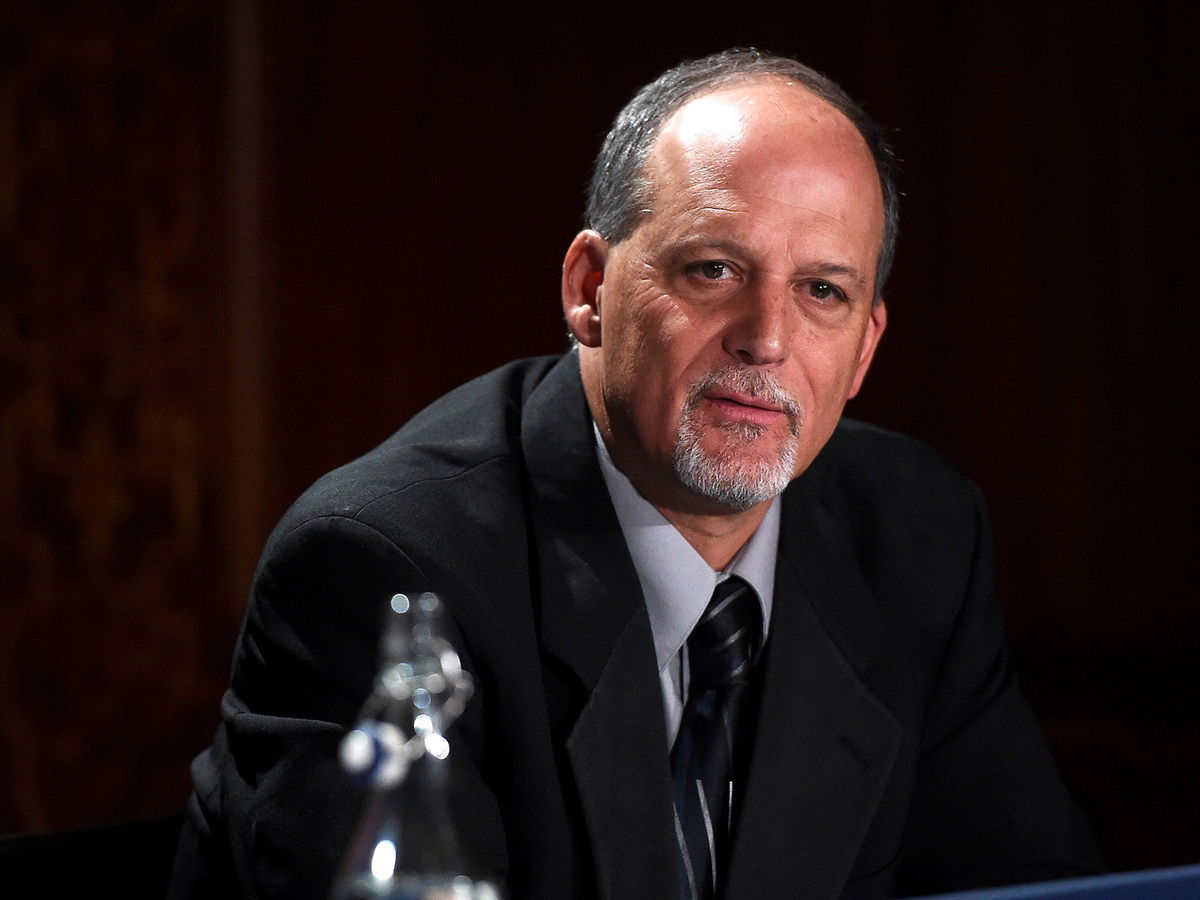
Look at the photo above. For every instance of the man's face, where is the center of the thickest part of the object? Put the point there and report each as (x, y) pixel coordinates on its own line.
(737, 319)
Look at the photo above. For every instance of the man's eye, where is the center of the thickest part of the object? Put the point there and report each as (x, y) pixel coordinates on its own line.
(823, 290)
(711, 269)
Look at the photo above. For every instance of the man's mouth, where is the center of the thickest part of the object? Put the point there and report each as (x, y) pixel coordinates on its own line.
(724, 395)
(747, 398)
(745, 409)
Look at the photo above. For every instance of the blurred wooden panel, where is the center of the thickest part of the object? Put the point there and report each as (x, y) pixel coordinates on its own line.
(110, 421)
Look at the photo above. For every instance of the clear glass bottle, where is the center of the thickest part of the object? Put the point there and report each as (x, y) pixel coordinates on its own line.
(407, 845)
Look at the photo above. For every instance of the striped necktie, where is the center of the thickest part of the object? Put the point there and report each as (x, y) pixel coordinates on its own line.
(721, 651)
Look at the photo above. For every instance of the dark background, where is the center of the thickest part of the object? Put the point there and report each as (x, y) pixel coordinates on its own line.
(241, 243)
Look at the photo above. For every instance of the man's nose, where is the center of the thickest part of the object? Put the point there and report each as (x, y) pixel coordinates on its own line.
(760, 323)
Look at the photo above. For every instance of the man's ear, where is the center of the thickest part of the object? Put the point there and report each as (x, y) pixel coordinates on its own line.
(874, 331)
(582, 280)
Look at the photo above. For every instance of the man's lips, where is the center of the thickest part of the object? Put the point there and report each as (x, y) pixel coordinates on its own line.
(741, 407)
(739, 396)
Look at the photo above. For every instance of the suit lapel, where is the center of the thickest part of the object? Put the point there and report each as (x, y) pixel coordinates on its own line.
(825, 745)
(593, 623)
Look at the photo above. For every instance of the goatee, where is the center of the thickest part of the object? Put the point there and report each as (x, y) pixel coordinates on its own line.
(736, 476)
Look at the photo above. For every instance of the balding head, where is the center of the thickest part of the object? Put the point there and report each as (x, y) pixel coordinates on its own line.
(619, 195)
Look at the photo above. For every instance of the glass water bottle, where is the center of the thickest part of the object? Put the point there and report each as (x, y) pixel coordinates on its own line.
(407, 846)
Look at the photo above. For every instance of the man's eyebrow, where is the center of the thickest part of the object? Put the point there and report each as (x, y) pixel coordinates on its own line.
(831, 269)
(691, 245)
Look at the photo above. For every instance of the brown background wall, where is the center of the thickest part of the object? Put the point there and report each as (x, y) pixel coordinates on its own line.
(240, 244)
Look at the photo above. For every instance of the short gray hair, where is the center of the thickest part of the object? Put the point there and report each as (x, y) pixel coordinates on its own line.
(619, 194)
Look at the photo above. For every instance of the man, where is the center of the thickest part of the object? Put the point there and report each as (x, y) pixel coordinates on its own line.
(576, 515)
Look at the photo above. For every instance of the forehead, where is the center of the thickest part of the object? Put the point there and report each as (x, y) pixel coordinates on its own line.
(769, 125)
(768, 145)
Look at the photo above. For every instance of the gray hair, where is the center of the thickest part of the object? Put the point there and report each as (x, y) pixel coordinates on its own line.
(619, 196)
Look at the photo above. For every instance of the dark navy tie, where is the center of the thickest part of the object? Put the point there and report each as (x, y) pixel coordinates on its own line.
(721, 651)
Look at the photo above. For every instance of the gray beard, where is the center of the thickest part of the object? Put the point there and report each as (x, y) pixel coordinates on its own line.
(724, 477)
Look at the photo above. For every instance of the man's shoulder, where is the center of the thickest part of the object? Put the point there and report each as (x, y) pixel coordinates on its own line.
(891, 453)
(901, 518)
(479, 412)
(866, 467)
(472, 432)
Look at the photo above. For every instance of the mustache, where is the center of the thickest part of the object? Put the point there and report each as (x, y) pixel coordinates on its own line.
(752, 382)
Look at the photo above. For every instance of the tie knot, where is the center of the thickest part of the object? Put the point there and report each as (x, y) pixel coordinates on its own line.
(723, 644)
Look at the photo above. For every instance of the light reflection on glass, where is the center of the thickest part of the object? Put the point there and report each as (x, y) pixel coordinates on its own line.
(437, 745)
(383, 860)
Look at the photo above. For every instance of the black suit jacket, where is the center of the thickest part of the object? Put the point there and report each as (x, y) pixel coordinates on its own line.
(893, 752)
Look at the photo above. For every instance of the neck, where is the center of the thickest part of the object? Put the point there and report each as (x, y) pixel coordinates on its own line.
(716, 537)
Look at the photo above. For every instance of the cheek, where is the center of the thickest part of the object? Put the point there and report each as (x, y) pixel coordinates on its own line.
(826, 377)
(628, 318)
(653, 341)
(659, 369)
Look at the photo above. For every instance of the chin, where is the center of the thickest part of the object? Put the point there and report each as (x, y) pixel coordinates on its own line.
(735, 478)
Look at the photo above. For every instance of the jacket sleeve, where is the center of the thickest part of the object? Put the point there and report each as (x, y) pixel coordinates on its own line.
(273, 812)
